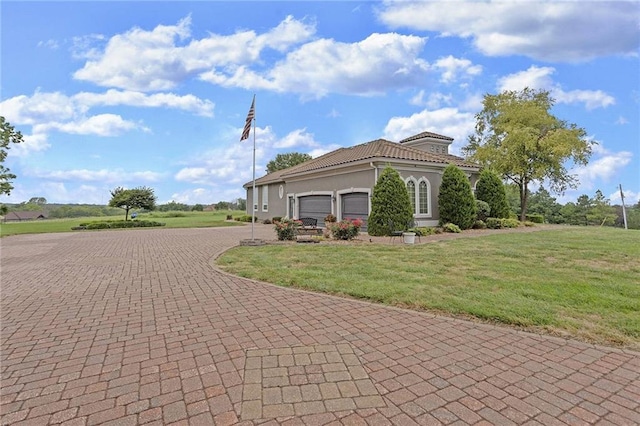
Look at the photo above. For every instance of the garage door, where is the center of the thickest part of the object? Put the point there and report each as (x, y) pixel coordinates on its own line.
(315, 206)
(356, 206)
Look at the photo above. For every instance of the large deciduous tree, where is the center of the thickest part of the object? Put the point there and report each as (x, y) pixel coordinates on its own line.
(390, 204)
(518, 137)
(7, 137)
(284, 161)
(136, 198)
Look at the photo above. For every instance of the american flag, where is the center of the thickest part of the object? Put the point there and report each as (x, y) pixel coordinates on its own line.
(250, 117)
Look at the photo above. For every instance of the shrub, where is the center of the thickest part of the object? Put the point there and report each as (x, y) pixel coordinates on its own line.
(494, 223)
(286, 229)
(330, 218)
(479, 224)
(510, 223)
(490, 189)
(529, 223)
(451, 227)
(98, 225)
(535, 218)
(276, 219)
(266, 221)
(229, 217)
(422, 231)
(245, 218)
(389, 204)
(456, 202)
(346, 229)
(483, 210)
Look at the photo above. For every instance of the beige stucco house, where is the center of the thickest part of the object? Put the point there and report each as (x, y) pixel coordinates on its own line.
(341, 182)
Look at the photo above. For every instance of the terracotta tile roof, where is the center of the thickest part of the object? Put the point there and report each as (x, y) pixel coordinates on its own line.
(379, 149)
(426, 135)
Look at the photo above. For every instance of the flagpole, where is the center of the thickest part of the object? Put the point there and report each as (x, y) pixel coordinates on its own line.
(254, 197)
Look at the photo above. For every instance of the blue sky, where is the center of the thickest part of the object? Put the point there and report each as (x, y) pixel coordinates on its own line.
(152, 93)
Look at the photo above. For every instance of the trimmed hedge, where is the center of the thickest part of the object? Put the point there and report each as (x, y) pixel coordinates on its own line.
(121, 224)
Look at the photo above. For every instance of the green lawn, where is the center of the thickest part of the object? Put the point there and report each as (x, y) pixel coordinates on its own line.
(579, 281)
(171, 220)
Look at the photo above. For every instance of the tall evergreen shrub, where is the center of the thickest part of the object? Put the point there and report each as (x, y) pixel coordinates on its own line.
(490, 189)
(456, 202)
(389, 203)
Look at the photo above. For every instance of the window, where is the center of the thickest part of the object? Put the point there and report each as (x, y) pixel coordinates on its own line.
(265, 198)
(255, 199)
(420, 201)
(423, 198)
(411, 188)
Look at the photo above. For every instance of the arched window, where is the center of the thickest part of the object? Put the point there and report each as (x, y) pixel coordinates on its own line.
(420, 196)
(423, 197)
(411, 188)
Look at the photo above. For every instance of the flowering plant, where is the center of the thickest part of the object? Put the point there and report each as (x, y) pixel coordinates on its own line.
(286, 229)
(346, 229)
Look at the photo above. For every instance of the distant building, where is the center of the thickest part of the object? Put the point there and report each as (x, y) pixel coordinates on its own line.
(22, 216)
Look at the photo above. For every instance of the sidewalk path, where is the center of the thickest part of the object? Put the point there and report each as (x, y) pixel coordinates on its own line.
(137, 327)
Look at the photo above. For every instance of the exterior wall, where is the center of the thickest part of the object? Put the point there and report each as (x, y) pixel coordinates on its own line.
(276, 204)
(337, 182)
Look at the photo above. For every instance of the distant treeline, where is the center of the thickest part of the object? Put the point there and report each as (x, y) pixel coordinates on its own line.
(60, 211)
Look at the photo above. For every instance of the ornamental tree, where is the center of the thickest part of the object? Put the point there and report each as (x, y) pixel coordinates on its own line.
(518, 137)
(491, 190)
(136, 198)
(8, 135)
(456, 202)
(390, 204)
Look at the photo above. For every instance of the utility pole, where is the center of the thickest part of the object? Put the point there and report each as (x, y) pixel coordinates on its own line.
(624, 211)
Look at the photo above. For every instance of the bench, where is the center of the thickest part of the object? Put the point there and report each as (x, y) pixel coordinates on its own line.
(309, 226)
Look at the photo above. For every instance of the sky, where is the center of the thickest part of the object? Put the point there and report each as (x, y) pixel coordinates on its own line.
(150, 93)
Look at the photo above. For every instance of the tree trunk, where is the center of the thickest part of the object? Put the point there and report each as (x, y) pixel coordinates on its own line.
(523, 200)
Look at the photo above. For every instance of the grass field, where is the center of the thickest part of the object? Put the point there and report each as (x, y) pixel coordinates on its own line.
(171, 220)
(581, 282)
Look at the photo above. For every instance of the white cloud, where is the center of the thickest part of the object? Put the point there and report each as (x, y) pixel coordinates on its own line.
(540, 78)
(34, 142)
(55, 111)
(49, 44)
(622, 120)
(100, 125)
(453, 68)
(104, 176)
(551, 31)
(295, 139)
(159, 59)
(435, 100)
(113, 97)
(232, 166)
(603, 169)
(445, 121)
(205, 196)
(368, 67)
(631, 198)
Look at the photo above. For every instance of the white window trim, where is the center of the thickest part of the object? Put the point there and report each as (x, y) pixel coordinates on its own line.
(416, 182)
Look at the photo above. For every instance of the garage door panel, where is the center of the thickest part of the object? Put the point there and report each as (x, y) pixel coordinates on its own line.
(356, 206)
(315, 206)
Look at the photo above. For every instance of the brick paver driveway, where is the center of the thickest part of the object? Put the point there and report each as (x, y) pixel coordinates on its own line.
(138, 327)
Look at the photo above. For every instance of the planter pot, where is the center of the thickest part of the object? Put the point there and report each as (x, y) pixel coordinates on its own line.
(409, 237)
